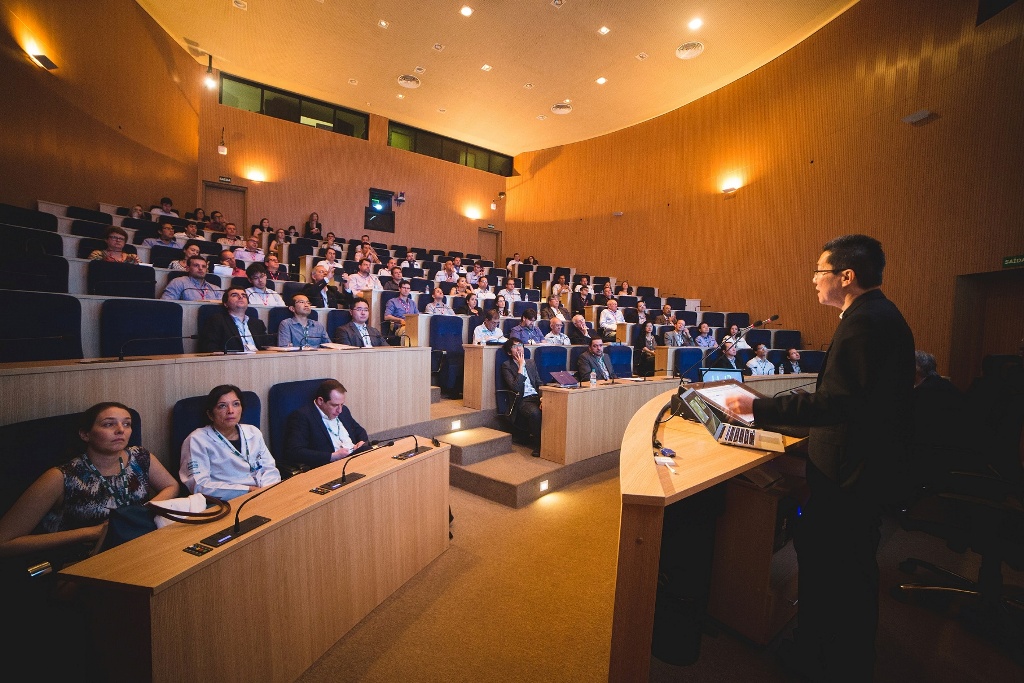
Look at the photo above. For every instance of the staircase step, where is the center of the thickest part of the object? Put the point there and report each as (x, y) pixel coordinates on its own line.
(470, 446)
(435, 394)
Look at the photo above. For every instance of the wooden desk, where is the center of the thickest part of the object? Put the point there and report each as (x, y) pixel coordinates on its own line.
(646, 489)
(583, 423)
(269, 604)
(478, 381)
(152, 386)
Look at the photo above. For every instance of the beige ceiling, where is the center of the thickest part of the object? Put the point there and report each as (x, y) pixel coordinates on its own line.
(314, 48)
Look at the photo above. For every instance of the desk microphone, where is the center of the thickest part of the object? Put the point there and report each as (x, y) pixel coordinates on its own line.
(374, 445)
(417, 449)
(240, 527)
(120, 355)
(791, 389)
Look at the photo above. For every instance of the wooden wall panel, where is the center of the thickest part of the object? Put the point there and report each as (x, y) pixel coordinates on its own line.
(117, 121)
(816, 139)
(314, 170)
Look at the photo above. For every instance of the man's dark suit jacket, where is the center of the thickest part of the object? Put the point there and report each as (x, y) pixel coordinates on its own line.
(587, 362)
(577, 337)
(348, 334)
(515, 382)
(579, 304)
(334, 297)
(859, 415)
(786, 367)
(723, 362)
(546, 312)
(219, 329)
(306, 439)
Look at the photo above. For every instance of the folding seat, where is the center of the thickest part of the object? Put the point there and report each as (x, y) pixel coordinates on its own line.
(775, 356)
(335, 319)
(785, 339)
(712, 318)
(550, 359)
(562, 271)
(574, 356)
(687, 362)
(83, 228)
(486, 264)
(206, 310)
(519, 306)
(457, 303)
(472, 257)
(739, 319)
(296, 253)
(283, 399)
(447, 355)
(627, 301)
(89, 215)
(408, 273)
(49, 327)
(280, 313)
(599, 281)
(507, 324)
(290, 289)
(653, 303)
(189, 414)
(420, 284)
(23, 241)
(496, 276)
(759, 336)
(545, 327)
(446, 287)
(436, 252)
(542, 270)
(538, 278)
(240, 281)
(453, 254)
(742, 356)
(399, 250)
(676, 302)
(432, 268)
(209, 248)
(630, 314)
(531, 294)
(121, 279)
(523, 268)
(810, 361)
(124, 320)
(39, 273)
(690, 317)
(621, 358)
(659, 333)
(145, 232)
(161, 257)
(27, 218)
(645, 291)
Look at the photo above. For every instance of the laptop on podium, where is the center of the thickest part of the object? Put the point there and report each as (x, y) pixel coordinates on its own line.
(730, 435)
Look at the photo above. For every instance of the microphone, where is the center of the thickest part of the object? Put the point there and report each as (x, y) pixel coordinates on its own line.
(417, 449)
(239, 527)
(335, 484)
(760, 323)
(120, 355)
(791, 389)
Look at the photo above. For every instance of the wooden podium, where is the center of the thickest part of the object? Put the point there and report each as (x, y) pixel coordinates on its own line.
(646, 489)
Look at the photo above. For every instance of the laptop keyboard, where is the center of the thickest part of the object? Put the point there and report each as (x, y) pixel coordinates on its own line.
(739, 435)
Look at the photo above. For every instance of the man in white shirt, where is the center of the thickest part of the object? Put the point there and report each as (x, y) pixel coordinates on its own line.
(556, 336)
(190, 232)
(324, 430)
(447, 273)
(759, 364)
(259, 294)
(438, 306)
(410, 260)
(251, 253)
(489, 331)
(510, 291)
(386, 270)
(166, 208)
(610, 319)
(363, 279)
(483, 291)
(514, 261)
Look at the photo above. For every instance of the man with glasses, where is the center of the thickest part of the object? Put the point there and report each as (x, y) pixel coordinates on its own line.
(357, 332)
(191, 287)
(300, 330)
(230, 329)
(399, 307)
(259, 294)
(858, 418)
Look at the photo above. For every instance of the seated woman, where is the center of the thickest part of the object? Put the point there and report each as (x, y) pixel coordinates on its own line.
(735, 338)
(623, 288)
(502, 307)
(199, 216)
(265, 225)
(313, 228)
(191, 249)
(462, 287)
(136, 211)
(115, 238)
(66, 509)
(643, 349)
(226, 459)
(471, 307)
(277, 242)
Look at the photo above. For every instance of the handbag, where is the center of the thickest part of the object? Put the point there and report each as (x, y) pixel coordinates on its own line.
(131, 521)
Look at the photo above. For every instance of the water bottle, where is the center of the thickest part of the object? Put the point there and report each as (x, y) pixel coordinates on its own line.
(305, 336)
(593, 378)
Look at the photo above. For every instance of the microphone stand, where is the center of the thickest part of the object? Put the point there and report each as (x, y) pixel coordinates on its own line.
(239, 528)
(335, 484)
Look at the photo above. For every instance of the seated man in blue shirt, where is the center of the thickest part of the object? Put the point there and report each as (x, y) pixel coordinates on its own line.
(323, 430)
(165, 238)
(399, 307)
(521, 376)
(527, 331)
(299, 330)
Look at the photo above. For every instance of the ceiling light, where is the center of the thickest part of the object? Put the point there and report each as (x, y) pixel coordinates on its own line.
(567, 100)
(528, 86)
(400, 96)
(408, 81)
(541, 117)
(561, 108)
(383, 24)
(557, 3)
(466, 10)
(602, 80)
(438, 46)
(210, 81)
(689, 50)
(695, 24)
(419, 70)
(486, 67)
(604, 30)
(642, 56)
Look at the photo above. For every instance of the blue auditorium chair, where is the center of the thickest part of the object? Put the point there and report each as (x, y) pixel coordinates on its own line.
(189, 414)
(137, 223)
(421, 285)
(447, 355)
(627, 301)
(497, 273)
(161, 257)
(290, 289)
(296, 252)
(776, 356)
(759, 336)
(471, 257)
(446, 287)
(283, 399)
(279, 313)
(712, 318)
(688, 360)
(143, 233)
(82, 228)
(567, 272)
(659, 333)
(574, 356)
(631, 315)
(676, 302)
(653, 303)
(810, 361)
(408, 273)
(507, 324)
(36, 273)
(720, 333)
(121, 279)
(621, 357)
(741, 320)
(550, 358)
(545, 327)
(49, 327)
(541, 270)
(689, 316)
(122, 320)
(34, 446)
(335, 319)
(89, 215)
(743, 356)
(27, 218)
(785, 339)
(519, 306)
(485, 264)
(209, 248)
(645, 292)
(20, 241)
(531, 294)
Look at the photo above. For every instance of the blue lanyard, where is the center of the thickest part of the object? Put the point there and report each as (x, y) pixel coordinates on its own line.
(120, 495)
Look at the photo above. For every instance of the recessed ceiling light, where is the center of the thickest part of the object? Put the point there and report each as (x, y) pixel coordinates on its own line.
(695, 24)
(408, 81)
(353, 81)
(383, 24)
(420, 70)
(557, 3)
(528, 86)
(541, 117)
(642, 56)
(466, 10)
(400, 96)
(438, 46)
(486, 67)
(561, 108)
(602, 80)
(567, 100)
(604, 30)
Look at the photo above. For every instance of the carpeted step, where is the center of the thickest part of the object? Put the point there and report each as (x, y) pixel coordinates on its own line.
(473, 445)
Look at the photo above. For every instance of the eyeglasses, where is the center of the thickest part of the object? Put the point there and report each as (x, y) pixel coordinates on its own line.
(834, 271)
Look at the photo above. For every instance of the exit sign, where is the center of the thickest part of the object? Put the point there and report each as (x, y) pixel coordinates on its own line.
(1013, 261)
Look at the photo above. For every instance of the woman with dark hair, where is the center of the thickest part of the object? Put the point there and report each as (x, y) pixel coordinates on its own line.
(314, 228)
(735, 338)
(265, 225)
(643, 349)
(501, 306)
(471, 307)
(115, 237)
(623, 288)
(226, 458)
(67, 507)
(191, 249)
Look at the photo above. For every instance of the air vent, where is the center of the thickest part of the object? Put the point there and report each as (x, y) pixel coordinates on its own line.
(420, 70)
(561, 108)
(240, 4)
(642, 56)
(408, 81)
(689, 50)
(438, 46)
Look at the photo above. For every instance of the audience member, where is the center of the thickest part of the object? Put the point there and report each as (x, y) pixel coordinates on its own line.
(264, 225)
(944, 425)
(679, 335)
(521, 376)
(579, 333)
(594, 360)
(759, 364)
(330, 242)
(501, 306)
(191, 249)
(473, 277)
(313, 228)
(511, 293)
(166, 208)
(554, 309)
(457, 264)
(227, 259)
(251, 253)
(231, 237)
(277, 242)
(582, 299)
(410, 260)
(623, 289)
(323, 295)
(666, 317)
(556, 336)
(643, 349)
(230, 329)
(363, 278)
(526, 331)
(447, 273)
(490, 330)
(356, 332)
(217, 221)
(259, 294)
(605, 296)
(727, 358)
(610, 319)
(559, 287)
(705, 339)
(584, 282)
(530, 261)
(790, 365)
(514, 261)
(399, 307)
(257, 232)
(191, 287)
(641, 313)
(300, 330)
(164, 238)
(226, 459)
(64, 512)
(274, 269)
(293, 233)
(472, 306)
(323, 430)
(483, 290)
(735, 337)
(189, 232)
(330, 262)
(115, 238)
(199, 215)
(365, 251)
(385, 271)
(438, 306)
(395, 283)
(136, 212)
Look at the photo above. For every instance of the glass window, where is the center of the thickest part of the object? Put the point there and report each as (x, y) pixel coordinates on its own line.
(402, 138)
(281, 106)
(431, 144)
(317, 115)
(241, 95)
(477, 158)
(501, 164)
(351, 123)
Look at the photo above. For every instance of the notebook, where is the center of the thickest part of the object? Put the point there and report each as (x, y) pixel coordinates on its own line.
(564, 379)
(728, 434)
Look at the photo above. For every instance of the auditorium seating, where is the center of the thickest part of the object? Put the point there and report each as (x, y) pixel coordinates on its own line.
(688, 360)
(27, 218)
(741, 320)
(124, 320)
(189, 414)
(121, 279)
(712, 318)
(759, 336)
(161, 257)
(447, 356)
(78, 212)
(810, 361)
(785, 339)
(336, 319)
(549, 359)
(621, 358)
(37, 273)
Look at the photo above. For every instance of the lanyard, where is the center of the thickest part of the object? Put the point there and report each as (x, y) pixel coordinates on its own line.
(253, 466)
(120, 495)
(201, 288)
(264, 297)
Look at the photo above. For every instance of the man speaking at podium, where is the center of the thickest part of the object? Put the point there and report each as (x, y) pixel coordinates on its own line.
(858, 419)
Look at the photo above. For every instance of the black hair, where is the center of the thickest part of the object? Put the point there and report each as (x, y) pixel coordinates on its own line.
(255, 269)
(861, 254)
(327, 386)
(227, 294)
(216, 394)
(87, 418)
(530, 314)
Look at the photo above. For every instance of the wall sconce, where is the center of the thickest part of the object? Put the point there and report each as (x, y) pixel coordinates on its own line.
(43, 61)
(400, 199)
(494, 205)
(211, 82)
(729, 191)
(494, 202)
(222, 148)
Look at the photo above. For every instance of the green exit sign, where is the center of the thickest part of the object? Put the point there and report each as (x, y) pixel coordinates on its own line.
(1013, 261)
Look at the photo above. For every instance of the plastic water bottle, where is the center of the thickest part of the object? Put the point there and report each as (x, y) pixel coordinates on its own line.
(593, 378)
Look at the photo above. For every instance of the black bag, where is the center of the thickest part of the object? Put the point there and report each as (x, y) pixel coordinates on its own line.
(126, 523)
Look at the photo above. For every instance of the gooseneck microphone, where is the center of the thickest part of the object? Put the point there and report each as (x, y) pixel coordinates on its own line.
(238, 524)
(374, 445)
(240, 527)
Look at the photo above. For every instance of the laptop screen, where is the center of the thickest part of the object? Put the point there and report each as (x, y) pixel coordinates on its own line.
(716, 374)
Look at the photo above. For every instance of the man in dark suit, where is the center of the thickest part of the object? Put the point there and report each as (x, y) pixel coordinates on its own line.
(521, 376)
(858, 419)
(323, 295)
(357, 332)
(791, 363)
(594, 360)
(727, 358)
(579, 333)
(230, 329)
(323, 430)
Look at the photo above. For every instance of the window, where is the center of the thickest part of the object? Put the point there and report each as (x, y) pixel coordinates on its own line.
(262, 99)
(437, 146)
